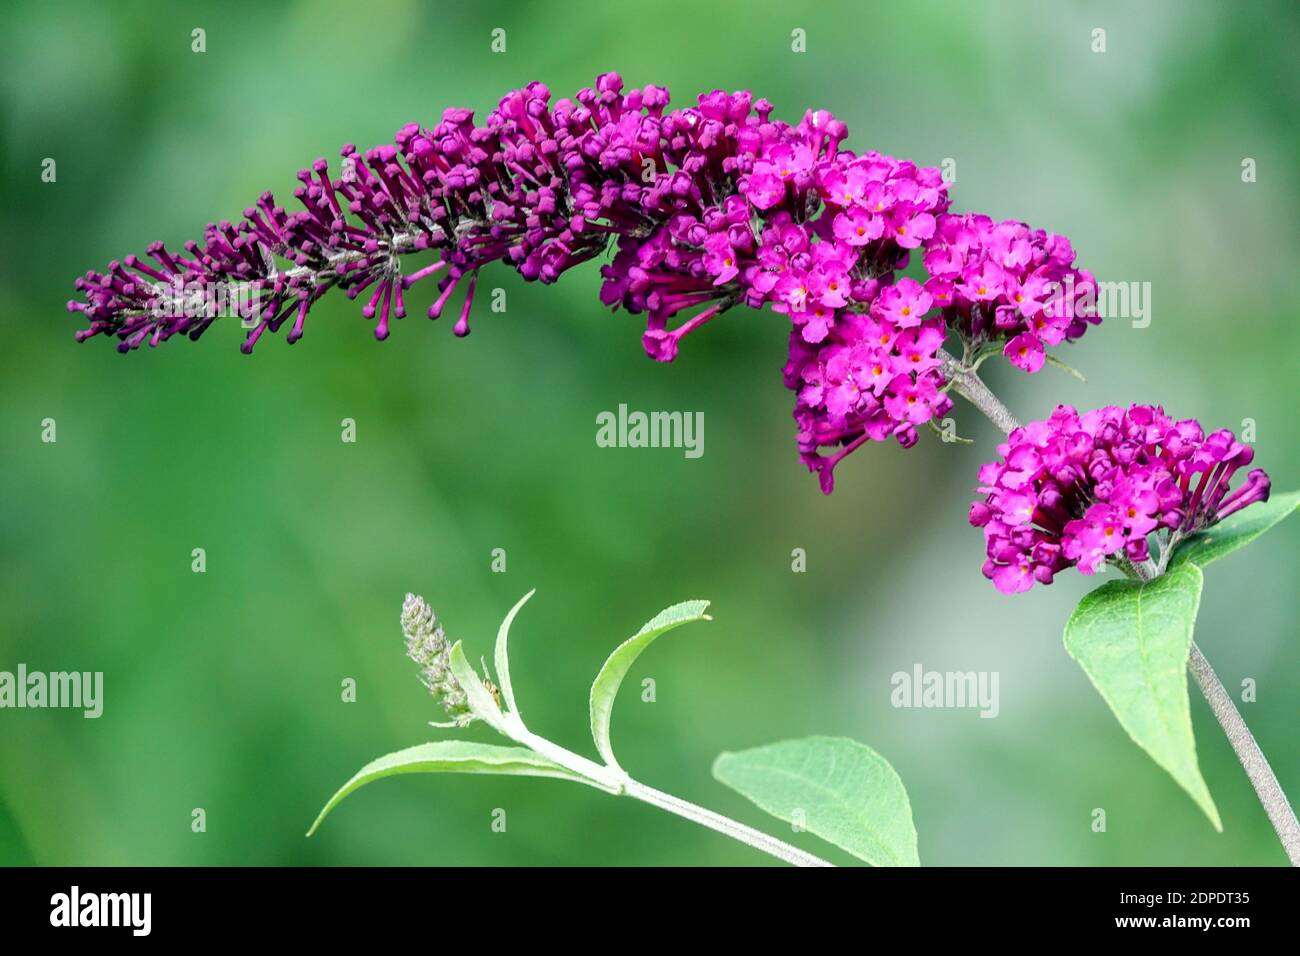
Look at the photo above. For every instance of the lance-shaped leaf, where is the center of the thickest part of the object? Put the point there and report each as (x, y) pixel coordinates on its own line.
(1236, 531)
(503, 654)
(449, 756)
(605, 688)
(1132, 639)
(837, 788)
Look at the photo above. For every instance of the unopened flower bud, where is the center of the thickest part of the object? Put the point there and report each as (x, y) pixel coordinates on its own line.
(426, 645)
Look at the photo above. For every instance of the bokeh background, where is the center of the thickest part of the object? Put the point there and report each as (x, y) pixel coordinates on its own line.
(223, 688)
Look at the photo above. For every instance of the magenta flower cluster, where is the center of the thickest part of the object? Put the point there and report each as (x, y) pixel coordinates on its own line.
(711, 206)
(1003, 280)
(817, 233)
(1082, 490)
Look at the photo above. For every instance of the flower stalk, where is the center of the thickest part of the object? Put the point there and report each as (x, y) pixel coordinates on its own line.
(1262, 778)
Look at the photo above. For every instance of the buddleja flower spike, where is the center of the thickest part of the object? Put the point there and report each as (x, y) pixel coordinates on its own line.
(708, 207)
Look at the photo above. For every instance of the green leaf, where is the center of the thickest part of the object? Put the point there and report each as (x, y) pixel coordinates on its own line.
(1236, 531)
(842, 791)
(605, 688)
(503, 655)
(449, 756)
(480, 701)
(1132, 639)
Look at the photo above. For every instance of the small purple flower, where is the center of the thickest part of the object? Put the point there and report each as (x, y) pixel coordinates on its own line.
(764, 187)
(909, 228)
(1025, 352)
(720, 259)
(905, 303)
(857, 227)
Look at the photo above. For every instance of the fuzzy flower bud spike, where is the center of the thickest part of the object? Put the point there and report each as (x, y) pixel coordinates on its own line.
(426, 644)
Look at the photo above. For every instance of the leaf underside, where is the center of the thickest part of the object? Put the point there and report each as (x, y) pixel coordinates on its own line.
(605, 688)
(449, 756)
(501, 654)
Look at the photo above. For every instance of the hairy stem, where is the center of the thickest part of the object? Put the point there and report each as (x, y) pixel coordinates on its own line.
(1271, 796)
(1252, 758)
(967, 384)
(614, 780)
(724, 825)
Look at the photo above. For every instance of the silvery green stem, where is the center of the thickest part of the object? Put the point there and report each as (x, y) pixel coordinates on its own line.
(605, 778)
(967, 384)
(724, 825)
(1252, 758)
(1271, 796)
(616, 781)
(174, 299)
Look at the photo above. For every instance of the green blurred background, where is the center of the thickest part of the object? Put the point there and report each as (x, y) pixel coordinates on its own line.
(223, 688)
